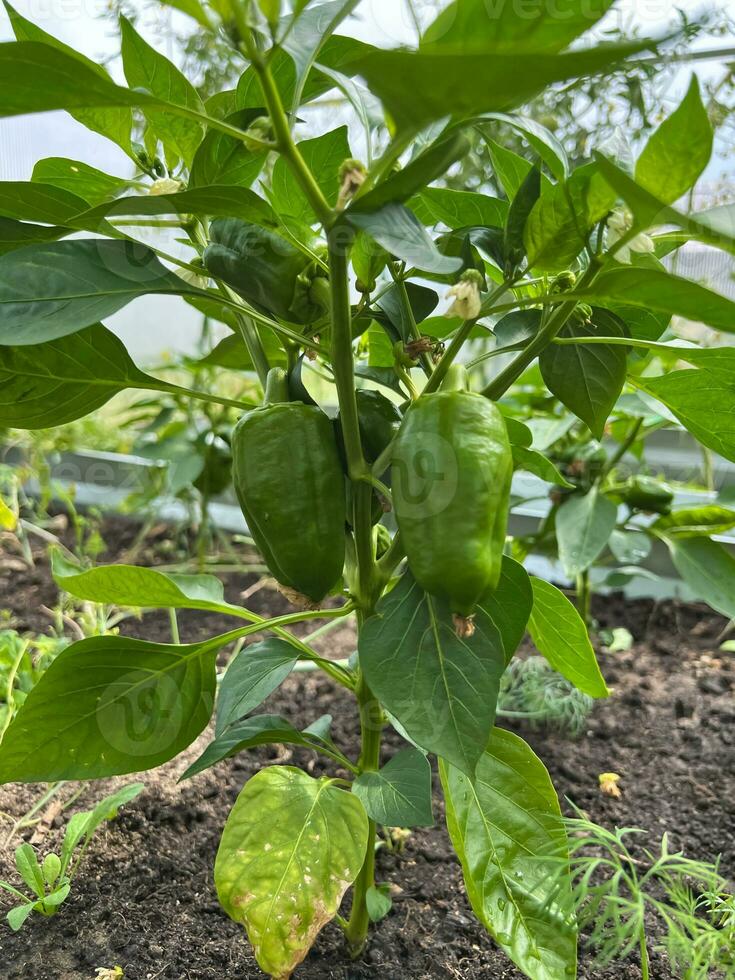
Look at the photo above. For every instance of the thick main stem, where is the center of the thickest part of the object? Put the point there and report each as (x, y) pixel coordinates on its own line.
(371, 728)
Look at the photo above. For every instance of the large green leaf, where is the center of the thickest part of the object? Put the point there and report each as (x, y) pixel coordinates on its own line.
(49, 291)
(510, 169)
(45, 385)
(147, 69)
(509, 606)
(654, 289)
(560, 635)
(561, 219)
(113, 123)
(440, 688)
(93, 185)
(481, 81)
(111, 705)
(584, 524)
(141, 587)
(587, 378)
(541, 466)
(254, 674)
(401, 233)
(469, 25)
(459, 209)
(675, 155)
(248, 733)
(17, 234)
(424, 168)
(291, 847)
(32, 201)
(714, 226)
(704, 402)
(224, 159)
(225, 201)
(324, 156)
(708, 569)
(540, 138)
(399, 794)
(507, 830)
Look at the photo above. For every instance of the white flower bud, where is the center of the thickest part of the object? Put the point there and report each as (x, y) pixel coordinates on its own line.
(619, 224)
(467, 304)
(166, 185)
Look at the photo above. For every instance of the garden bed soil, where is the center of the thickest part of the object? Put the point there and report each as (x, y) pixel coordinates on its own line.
(144, 898)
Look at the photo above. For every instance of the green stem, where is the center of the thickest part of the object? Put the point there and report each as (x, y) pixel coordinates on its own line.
(424, 358)
(175, 637)
(622, 449)
(371, 725)
(584, 598)
(284, 141)
(507, 377)
(645, 966)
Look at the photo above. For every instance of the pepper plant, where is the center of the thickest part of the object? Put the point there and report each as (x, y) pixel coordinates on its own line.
(322, 254)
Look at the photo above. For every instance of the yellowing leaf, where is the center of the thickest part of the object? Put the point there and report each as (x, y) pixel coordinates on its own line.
(8, 520)
(609, 784)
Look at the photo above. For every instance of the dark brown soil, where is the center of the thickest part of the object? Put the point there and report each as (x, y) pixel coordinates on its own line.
(144, 898)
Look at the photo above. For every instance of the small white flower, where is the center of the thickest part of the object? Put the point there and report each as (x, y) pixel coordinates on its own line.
(618, 225)
(165, 185)
(467, 304)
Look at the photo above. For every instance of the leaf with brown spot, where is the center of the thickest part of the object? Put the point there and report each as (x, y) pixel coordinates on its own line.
(291, 847)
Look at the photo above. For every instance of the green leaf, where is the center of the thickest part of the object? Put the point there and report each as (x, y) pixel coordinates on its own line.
(518, 213)
(652, 289)
(483, 81)
(442, 689)
(147, 69)
(247, 733)
(254, 674)
(49, 291)
(29, 869)
(560, 635)
(587, 378)
(110, 705)
(510, 169)
(225, 160)
(231, 352)
(630, 547)
(83, 825)
(563, 216)
(584, 524)
(45, 385)
(192, 8)
(538, 464)
(51, 869)
(708, 569)
(469, 25)
(508, 833)
(676, 155)
(140, 587)
(509, 606)
(17, 234)
(232, 202)
(401, 233)
(399, 794)
(459, 209)
(695, 522)
(291, 847)
(703, 400)
(86, 182)
(16, 917)
(378, 902)
(715, 226)
(27, 201)
(424, 168)
(114, 123)
(324, 156)
(541, 139)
